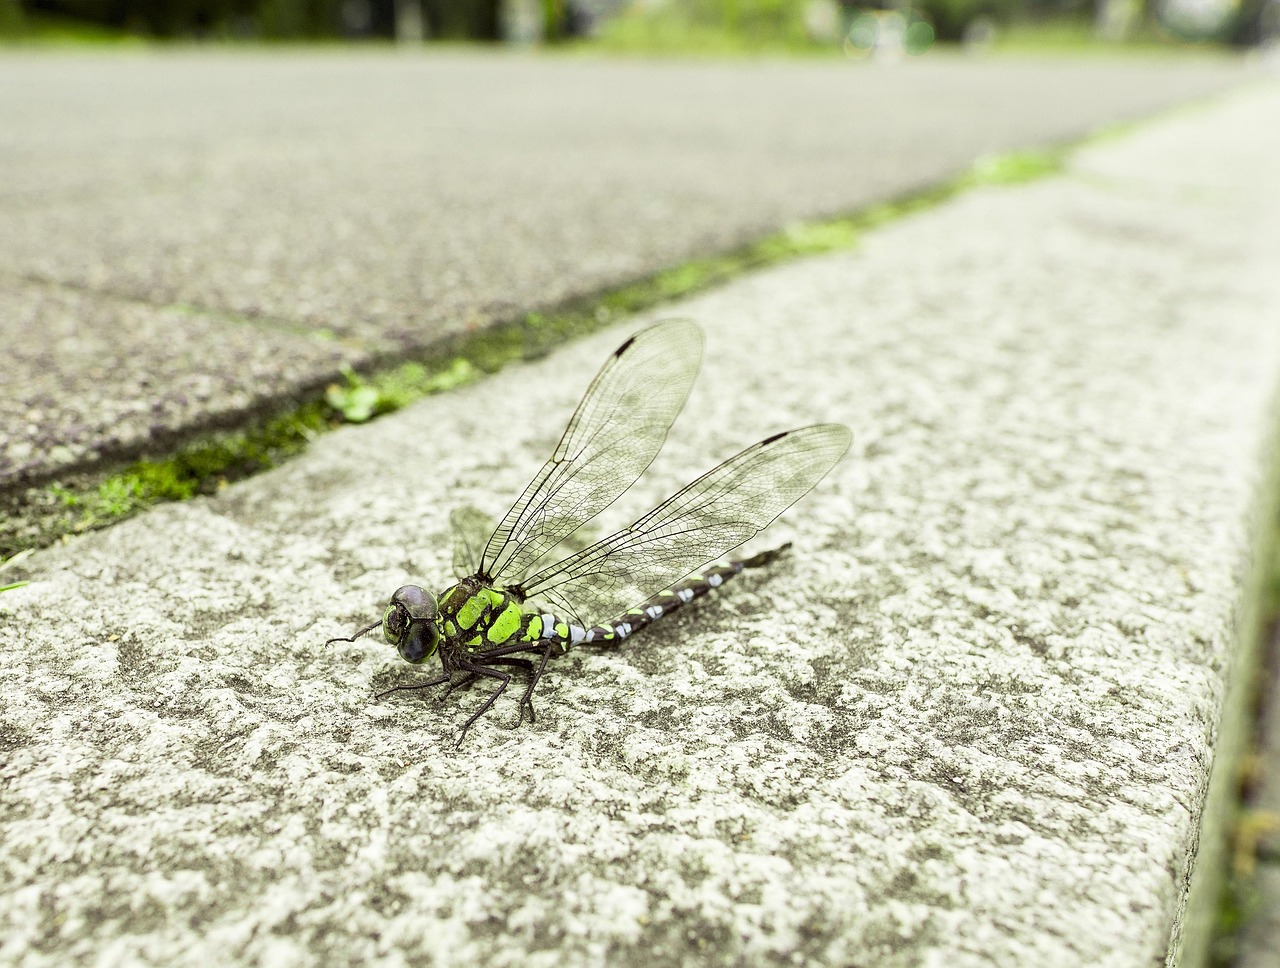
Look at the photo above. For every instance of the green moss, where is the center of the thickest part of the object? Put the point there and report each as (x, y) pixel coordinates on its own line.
(1016, 167)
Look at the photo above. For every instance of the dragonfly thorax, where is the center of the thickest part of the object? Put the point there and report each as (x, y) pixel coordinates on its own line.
(409, 623)
(475, 616)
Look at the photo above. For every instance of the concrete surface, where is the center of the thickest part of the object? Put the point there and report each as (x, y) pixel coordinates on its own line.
(385, 200)
(970, 721)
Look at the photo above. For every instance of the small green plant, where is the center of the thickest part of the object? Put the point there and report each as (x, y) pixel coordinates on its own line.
(357, 401)
(6, 563)
(360, 400)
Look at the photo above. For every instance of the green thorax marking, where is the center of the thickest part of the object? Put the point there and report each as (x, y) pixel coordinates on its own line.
(478, 616)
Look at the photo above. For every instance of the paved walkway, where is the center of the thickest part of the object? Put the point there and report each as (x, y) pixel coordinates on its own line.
(208, 235)
(972, 719)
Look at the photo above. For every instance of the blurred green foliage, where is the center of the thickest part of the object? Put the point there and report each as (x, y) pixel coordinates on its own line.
(804, 26)
(287, 18)
(86, 19)
(728, 25)
(253, 19)
(640, 26)
(10, 17)
(713, 26)
(951, 18)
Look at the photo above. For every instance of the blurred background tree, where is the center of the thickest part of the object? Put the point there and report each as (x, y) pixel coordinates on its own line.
(271, 19)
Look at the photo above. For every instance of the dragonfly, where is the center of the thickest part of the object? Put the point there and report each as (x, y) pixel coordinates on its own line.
(518, 603)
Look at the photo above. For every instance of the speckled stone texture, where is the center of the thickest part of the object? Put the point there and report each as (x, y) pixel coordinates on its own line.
(969, 721)
(391, 199)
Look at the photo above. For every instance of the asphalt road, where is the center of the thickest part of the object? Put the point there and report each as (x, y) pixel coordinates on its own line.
(189, 237)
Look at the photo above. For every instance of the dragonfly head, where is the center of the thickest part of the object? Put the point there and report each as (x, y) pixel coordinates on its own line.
(409, 624)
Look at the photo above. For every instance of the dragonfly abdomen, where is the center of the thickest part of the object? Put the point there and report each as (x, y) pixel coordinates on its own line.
(677, 596)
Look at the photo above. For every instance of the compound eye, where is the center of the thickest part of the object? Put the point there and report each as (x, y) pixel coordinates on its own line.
(417, 601)
(395, 622)
(409, 623)
(420, 644)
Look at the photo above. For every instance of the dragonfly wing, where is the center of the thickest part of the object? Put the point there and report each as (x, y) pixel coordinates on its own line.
(471, 528)
(615, 433)
(703, 520)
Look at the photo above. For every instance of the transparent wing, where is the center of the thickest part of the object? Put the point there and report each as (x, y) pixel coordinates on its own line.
(615, 433)
(701, 521)
(471, 528)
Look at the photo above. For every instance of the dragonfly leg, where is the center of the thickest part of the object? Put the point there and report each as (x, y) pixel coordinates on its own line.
(439, 681)
(526, 701)
(524, 664)
(460, 684)
(446, 675)
(479, 670)
(527, 666)
(496, 657)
